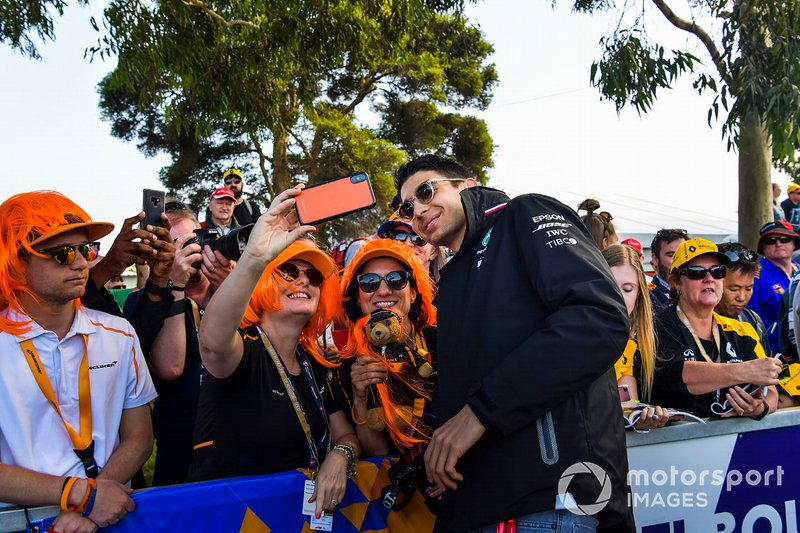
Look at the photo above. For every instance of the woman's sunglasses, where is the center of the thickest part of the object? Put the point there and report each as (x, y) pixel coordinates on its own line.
(698, 272)
(423, 195)
(395, 280)
(783, 239)
(237, 181)
(65, 254)
(291, 272)
(401, 236)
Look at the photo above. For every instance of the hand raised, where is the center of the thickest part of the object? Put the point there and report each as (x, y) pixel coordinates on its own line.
(277, 228)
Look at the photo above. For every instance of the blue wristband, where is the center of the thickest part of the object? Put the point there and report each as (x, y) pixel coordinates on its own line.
(90, 505)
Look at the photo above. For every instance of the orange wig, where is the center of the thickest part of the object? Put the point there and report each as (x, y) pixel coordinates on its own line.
(23, 219)
(266, 296)
(422, 312)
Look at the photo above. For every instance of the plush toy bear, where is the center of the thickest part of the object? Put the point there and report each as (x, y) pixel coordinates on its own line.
(383, 331)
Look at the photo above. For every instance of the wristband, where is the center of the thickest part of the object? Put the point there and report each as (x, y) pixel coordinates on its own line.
(164, 292)
(355, 418)
(176, 288)
(93, 494)
(65, 489)
(178, 307)
(91, 484)
(763, 413)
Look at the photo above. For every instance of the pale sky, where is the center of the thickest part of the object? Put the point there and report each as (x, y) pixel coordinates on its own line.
(552, 133)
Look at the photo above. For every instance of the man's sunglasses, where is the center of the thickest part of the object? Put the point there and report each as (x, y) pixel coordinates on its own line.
(237, 181)
(783, 239)
(401, 236)
(741, 255)
(697, 272)
(65, 254)
(291, 272)
(423, 195)
(395, 280)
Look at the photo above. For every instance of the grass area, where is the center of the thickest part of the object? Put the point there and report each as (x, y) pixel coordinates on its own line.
(149, 466)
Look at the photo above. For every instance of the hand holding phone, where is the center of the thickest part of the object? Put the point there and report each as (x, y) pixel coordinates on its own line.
(153, 206)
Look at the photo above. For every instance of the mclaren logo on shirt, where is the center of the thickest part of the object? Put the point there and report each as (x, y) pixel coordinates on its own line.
(112, 364)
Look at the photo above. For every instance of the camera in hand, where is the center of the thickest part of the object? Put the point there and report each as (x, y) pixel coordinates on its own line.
(408, 476)
(230, 246)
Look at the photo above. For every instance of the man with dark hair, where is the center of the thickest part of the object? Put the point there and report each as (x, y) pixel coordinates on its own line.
(664, 244)
(530, 325)
(245, 211)
(737, 288)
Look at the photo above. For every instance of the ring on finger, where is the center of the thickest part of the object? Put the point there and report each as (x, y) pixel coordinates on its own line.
(333, 502)
(212, 269)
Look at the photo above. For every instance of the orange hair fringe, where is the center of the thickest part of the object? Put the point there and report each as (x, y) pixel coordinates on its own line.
(266, 299)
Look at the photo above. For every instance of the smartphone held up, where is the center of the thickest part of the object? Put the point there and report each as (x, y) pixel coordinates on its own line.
(335, 199)
(153, 206)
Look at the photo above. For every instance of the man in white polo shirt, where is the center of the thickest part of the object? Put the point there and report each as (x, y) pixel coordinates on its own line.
(75, 422)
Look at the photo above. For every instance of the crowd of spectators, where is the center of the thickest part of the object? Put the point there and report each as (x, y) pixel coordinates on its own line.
(227, 363)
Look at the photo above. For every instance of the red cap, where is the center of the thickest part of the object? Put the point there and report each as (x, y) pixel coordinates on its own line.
(223, 192)
(633, 243)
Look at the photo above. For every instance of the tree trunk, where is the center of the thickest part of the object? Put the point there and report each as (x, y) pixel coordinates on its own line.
(281, 180)
(755, 189)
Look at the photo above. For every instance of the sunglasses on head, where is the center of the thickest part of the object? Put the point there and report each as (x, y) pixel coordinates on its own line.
(395, 280)
(401, 236)
(697, 272)
(423, 195)
(171, 207)
(237, 181)
(744, 255)
(783, 239)
(65, 254)
(291, 272)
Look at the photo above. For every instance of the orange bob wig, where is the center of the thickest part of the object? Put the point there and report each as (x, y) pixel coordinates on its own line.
(24, 218)
(266, 296)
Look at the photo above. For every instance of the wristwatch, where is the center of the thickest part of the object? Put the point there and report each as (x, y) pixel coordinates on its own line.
(164, 292)
(350, 453)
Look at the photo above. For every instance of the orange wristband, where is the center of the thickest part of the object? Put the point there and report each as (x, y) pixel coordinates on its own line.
(91, 485)
(355, 418)
(65, 494)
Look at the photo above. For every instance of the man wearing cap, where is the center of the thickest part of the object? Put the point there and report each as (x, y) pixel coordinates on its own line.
(530, 323)
(776, 243)
(75, 423)
(219, 214)
(791, 205)
(703, 357)
(246, 211)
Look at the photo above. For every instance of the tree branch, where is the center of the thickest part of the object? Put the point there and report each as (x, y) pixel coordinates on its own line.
(691, 27)
(300, 143)
(222, 21)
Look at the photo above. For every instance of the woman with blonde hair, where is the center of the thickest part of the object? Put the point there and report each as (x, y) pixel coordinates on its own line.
(636, 367)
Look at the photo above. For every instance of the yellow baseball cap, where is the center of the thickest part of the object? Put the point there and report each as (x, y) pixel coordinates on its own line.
(692, 248)
(793, 187)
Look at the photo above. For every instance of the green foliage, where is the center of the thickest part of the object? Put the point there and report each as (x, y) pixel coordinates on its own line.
(632, 70)
(23, 20)
(278, 87)
(756, 55)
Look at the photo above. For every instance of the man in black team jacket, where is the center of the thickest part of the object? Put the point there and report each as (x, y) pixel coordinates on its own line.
(530, 324)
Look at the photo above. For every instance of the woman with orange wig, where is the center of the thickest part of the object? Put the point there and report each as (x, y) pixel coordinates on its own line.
(266, 402)
(383, 276)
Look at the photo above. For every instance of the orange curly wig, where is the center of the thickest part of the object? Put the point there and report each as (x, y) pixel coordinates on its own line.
(25, 217)
(266, 298)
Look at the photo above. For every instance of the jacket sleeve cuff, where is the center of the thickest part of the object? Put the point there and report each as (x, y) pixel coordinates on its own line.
(481, 415)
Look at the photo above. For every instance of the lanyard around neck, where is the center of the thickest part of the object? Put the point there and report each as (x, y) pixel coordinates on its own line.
(82, 443)
(700, 347)
(298, 408)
